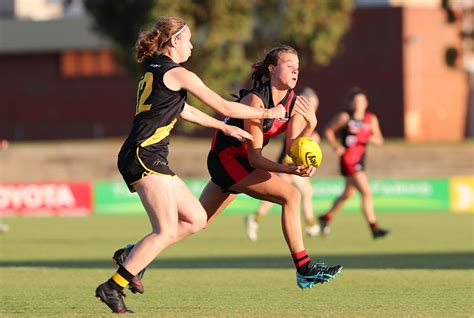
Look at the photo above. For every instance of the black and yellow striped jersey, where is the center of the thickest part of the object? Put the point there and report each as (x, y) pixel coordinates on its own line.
(157, 107)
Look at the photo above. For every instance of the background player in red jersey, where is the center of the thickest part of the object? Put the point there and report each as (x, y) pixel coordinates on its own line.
(240, 167)
(357, 127)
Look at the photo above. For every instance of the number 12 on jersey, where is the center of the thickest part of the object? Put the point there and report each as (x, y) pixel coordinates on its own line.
(143, 92)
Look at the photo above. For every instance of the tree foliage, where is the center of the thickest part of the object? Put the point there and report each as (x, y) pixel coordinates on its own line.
(229, 35)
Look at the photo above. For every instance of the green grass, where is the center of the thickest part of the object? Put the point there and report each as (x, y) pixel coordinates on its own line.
(51, 266)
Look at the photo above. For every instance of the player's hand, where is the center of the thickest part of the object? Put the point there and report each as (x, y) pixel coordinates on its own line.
(340, 150)
(278, 112)
(301, 171)
(237, 133)
(309, 171)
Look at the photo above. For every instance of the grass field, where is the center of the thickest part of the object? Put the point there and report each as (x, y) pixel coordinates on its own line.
(51, 266)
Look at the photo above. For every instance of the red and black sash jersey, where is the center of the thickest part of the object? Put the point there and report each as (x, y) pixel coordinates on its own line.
(355, 136)
(157, 107)
(271, 127)
(357, 131)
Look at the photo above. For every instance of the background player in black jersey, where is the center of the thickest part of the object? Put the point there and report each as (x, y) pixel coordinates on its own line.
(173, 211)
(240, 167)
(358, 127)
(252, 221)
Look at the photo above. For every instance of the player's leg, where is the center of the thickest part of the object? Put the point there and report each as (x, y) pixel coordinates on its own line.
(252, 221)
(119, 258)
(349, 191)
(191, 219)
(265, 206)
(268, 186)
(262, 210)
(156, 195)
(362, 184)
(174, 213)
(325, 219)
(306, 190)
(160, 196)
(214, 200)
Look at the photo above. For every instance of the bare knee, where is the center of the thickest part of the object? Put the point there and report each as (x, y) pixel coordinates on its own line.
(292, 196)
(307, 192)
(198, 223)
(346, 196)
(168, 235)
(366, 193)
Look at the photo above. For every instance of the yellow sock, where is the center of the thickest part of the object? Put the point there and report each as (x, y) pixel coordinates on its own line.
(119, 280)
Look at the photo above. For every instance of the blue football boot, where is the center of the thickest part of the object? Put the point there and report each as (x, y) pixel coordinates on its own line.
(319, 274)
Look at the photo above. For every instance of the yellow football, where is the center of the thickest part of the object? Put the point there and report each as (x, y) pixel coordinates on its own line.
(305, 151)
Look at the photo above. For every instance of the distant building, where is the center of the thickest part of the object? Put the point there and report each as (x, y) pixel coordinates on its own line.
(397, 50)
(41, 10)
(58, 78)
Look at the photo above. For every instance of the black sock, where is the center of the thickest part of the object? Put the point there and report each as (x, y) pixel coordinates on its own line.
(120, 279)
(306, 269)
(302, 261)
(124, 273)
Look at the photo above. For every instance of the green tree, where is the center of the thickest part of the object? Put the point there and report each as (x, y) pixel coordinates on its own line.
(121, 22)
(314, 27)
(228, 35)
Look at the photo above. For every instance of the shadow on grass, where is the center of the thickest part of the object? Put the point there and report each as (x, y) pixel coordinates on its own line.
(448, 260)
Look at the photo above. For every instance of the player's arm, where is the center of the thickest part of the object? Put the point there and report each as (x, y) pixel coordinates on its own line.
(254, 147)
(300, 124)
(180, 78)
(332, 128)
(194, 115)
(377, 137)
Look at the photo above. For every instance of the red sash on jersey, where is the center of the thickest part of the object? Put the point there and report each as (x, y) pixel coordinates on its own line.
(365, 131)
(280, 126)
(354, 152)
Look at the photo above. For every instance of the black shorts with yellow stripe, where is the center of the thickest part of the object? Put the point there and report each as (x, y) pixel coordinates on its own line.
(136, 163)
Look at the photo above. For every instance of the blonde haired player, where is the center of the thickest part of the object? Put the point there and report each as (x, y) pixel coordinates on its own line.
(302, 184)
(172, 209)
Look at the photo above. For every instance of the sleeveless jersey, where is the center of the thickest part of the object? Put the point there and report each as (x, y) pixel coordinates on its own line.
(357, 131)
(157, 108)
(354, 137)
(271, 127)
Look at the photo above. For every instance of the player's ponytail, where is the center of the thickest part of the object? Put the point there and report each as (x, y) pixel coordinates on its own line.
(155, 39)
(261, 72)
